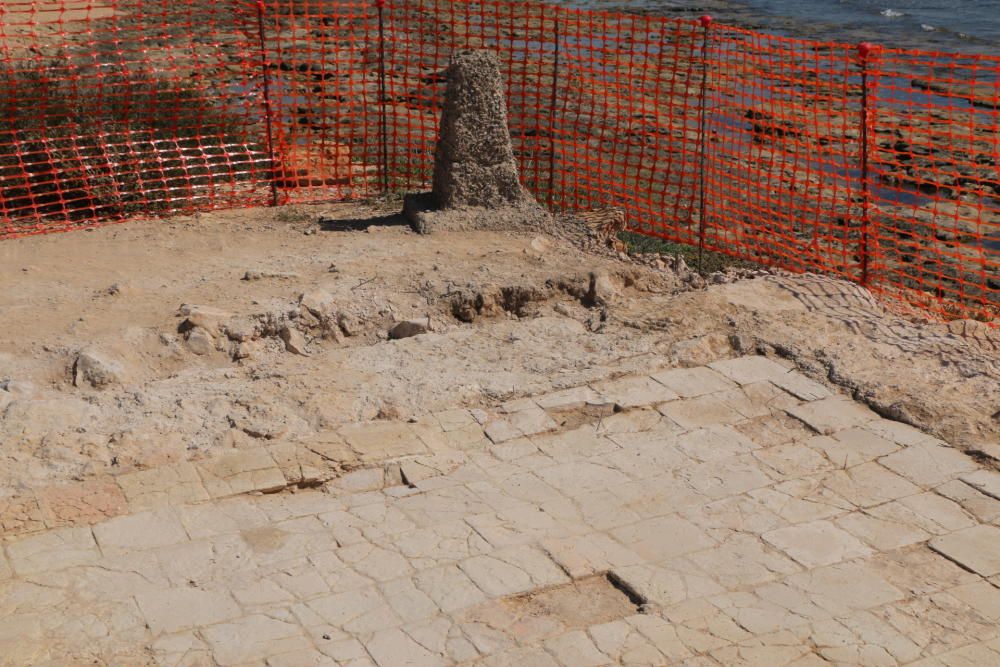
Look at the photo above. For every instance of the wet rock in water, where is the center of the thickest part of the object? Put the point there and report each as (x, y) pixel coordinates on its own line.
(98, 369)
(602, 289)
(409, 328)
(294, 341)
(200, 341)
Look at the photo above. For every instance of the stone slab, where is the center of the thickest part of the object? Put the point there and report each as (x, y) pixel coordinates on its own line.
(976, 548)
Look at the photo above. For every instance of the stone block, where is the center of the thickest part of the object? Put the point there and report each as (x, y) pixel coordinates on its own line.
(707, 410)
(254, 639)
(750, 369)
(852, 446)
(800, 386)
(816, 543)
(166, 485)
(929, 464)
(241, 471)
(976, 549)
(176, 609)
(660, 538)
(584, 555)
(576, 649)
(88, 501)
(568, 398)
(450, 588)
(54, 550)
(983, 507)
(21, 514)
(869, 484)
(984, 481)
(394, 647)
(519, 424)
(633, 392)
(380, 441)
(828, 415)
(691, 382)
(146, 530)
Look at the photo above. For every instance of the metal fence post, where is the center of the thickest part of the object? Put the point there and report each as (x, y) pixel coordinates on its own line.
(865, 51)
(383, 98)
(267, 102)
(552, 116)
(706, 23)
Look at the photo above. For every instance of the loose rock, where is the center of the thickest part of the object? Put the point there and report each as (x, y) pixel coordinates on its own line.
(241, 329)
(317, 302)
(20, 388)
(294, 341)
(348, 324)
(408, 328)
(97, 368)
(602, 289)
(208, 318)
(200, 341)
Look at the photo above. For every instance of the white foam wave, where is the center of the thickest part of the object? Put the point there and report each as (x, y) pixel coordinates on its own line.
(891, 13)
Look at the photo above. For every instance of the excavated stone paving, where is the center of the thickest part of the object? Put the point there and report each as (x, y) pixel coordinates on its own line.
(751, 516)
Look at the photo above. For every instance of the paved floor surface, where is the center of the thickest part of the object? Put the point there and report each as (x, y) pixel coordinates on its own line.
(736, 514)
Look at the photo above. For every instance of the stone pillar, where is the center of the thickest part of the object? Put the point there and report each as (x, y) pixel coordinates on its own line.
(474, 163)
(476, 181)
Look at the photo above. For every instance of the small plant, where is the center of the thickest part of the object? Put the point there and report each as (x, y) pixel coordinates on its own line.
(711, 261)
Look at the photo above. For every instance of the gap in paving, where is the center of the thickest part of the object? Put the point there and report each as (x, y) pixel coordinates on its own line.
(599, 598)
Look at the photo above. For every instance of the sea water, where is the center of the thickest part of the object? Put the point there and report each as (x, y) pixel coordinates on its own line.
(965, 26)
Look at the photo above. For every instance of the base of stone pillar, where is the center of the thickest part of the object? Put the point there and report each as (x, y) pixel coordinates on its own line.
(424, 217)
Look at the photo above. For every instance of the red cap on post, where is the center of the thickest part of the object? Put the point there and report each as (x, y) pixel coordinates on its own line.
(705, 21)
(380, 4)
(865, 49)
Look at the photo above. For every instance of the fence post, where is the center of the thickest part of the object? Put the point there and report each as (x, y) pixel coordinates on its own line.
(706, 23)
(383, 98)
(865, 51)
(267, 102)
(552, 115)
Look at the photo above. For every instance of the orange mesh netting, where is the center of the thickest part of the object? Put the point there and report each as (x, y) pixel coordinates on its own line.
(874, 165)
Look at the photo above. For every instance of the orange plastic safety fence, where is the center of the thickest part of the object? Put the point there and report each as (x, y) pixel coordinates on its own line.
(117, 108)
(935, 158)
(782, 152)
(873, 165)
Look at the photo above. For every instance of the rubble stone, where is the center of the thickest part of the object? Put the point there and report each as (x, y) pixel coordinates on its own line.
(97, 368)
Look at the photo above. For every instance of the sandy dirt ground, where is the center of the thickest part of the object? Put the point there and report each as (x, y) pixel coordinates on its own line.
(163, 391)
(309, 436)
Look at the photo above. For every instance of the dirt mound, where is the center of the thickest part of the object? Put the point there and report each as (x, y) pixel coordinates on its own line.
(200, 338)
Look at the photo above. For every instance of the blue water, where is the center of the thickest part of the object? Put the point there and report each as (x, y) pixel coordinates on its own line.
(966, 26)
